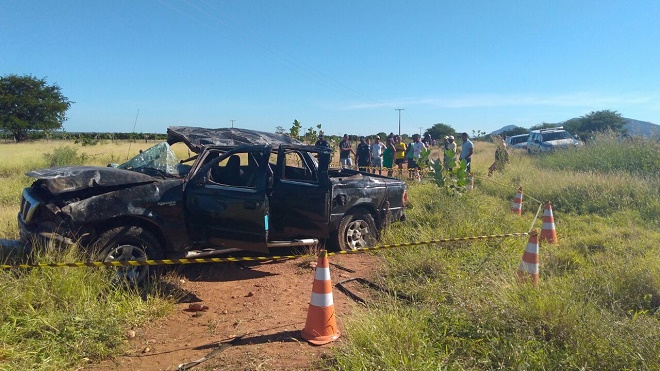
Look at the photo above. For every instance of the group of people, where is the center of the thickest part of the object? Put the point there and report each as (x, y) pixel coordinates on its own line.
(378, 155)
(467, 149)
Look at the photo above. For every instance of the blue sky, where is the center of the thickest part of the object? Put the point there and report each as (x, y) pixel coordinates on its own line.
(347, 65)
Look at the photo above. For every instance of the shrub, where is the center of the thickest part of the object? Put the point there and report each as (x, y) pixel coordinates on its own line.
(63, 156)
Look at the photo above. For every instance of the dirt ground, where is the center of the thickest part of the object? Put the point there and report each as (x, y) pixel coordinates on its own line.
(256, 312)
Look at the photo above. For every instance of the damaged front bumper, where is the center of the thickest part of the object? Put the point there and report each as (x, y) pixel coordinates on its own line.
(32, 232)
(42, 235)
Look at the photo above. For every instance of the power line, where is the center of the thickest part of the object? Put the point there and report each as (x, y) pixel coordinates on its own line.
(134, 125)
(399, 109)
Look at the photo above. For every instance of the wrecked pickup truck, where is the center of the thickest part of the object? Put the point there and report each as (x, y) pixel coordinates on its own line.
(241, 190)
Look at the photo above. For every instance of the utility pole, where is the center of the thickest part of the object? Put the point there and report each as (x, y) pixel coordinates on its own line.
(399, 109)
(232, 123)
(420, 131)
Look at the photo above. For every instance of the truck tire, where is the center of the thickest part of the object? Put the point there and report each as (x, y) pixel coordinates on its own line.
(129, 243)
(356, 230)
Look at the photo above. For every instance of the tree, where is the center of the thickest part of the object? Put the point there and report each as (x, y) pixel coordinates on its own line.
(279, 130)
(600, 121)
(28, 103)
(572, 125)
(439, 131)
(295, 129)
(478, 134)
(311, 136)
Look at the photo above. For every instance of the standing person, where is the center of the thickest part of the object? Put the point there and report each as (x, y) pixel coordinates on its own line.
(450, 153)
(501, 155)
(345, 150)
(399, 154)
(322, 142)
(428, 142)
(363, 155)
(377, 150)
(467, 149)
(418, 148)
(410, 158)
(371, 157)
(388, 156)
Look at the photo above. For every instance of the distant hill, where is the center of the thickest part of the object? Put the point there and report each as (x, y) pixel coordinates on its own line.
(632, 126)
(505, 128)
(641, 128)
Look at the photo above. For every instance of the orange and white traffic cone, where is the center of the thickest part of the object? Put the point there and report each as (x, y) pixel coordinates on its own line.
(321, 325)
(530, 260)
(548, 233)
(516, 205)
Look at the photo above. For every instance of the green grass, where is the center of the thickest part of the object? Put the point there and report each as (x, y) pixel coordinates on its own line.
(609, 153)
(50, 321)
(597, 306)
(598, 302)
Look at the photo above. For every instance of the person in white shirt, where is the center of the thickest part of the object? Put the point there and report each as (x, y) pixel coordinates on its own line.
(418, 147)
(377, 150)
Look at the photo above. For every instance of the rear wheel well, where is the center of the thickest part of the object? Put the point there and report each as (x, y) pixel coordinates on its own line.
(358, 229)
(369, 209)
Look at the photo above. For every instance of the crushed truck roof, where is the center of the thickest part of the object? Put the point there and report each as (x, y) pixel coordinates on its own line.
(196, 138)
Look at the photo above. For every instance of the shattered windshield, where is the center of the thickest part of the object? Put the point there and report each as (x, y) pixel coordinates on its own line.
(160, 158)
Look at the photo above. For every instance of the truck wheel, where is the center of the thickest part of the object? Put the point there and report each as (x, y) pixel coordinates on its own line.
(357, 230)
(129, 243)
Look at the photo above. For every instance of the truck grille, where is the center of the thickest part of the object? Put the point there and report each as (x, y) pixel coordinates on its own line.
(29, 205)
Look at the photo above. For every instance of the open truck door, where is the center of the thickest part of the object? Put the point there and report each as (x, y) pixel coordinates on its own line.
(300, 192)
(226, 202)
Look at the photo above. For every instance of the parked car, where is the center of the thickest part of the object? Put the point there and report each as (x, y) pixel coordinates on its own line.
(517, 141)
(242, 190)
(544, 140)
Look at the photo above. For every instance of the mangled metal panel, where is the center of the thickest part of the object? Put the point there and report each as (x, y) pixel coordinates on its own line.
(196, 138)
(72, 178)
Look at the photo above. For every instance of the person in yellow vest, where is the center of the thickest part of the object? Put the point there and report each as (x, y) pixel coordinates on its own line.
(400, 154)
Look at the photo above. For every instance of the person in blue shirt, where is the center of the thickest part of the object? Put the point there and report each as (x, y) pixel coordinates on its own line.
(467, 149)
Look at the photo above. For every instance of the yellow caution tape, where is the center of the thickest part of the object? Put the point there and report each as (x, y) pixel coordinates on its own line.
(431, 242)
(133, 263)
